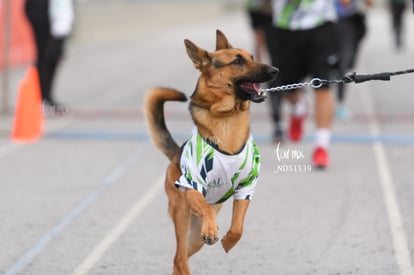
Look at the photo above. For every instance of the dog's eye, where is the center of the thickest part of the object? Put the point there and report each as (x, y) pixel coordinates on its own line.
(238, 61)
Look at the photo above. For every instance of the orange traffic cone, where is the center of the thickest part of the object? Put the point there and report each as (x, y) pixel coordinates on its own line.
(28, 117)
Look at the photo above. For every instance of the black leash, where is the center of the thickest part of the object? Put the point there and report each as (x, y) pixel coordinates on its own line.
(347, 78)
(358, 78)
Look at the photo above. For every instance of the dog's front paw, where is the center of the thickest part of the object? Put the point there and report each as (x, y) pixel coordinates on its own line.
(230, 240)
(209, 234)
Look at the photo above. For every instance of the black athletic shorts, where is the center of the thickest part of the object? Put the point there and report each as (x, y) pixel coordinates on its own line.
(259, 19)
(301, 54)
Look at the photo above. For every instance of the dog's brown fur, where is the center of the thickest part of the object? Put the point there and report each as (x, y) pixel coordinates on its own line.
(219, 109)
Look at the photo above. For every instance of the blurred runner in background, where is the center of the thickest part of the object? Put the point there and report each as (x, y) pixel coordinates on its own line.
(350, 30)
(51, 21)
(260, 16)
(300, 45)
(397, 8)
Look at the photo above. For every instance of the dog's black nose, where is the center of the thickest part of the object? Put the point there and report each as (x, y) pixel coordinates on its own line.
(272, 71)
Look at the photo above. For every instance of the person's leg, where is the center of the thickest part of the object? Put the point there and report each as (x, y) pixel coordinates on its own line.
(260, 22)
(260, 47)
(275, 97)
(397, 17)
(298, 114)
(399, 25)
(37, 13)
(346, 35)
(319, 54)
(275, 106)
(41, 37)
(395, 24)
(323, 108)
(54, 54)
(342, 37)
(323, 119)
(288, 57)
(258, 33)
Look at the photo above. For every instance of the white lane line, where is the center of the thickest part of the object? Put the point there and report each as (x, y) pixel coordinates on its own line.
(54, 232)
(106, 243)
(398, 234)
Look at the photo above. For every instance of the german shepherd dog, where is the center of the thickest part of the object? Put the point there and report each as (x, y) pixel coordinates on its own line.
(211, 166)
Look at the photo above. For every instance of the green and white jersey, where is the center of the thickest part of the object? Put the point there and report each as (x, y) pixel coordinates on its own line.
(302, 14)
(217, 175)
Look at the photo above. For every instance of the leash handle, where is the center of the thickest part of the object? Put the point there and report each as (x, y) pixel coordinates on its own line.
(359, 78)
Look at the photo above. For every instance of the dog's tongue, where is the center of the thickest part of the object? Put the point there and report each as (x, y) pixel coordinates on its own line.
(254, 87)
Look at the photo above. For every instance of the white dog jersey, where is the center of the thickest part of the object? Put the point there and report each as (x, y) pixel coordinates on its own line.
(217, 175)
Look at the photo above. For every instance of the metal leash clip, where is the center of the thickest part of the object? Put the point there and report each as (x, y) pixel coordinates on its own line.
(316, 83)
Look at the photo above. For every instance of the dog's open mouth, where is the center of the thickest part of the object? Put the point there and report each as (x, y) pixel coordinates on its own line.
(252, 91)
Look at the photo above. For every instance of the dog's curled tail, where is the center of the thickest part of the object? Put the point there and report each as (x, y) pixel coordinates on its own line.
(154, 116)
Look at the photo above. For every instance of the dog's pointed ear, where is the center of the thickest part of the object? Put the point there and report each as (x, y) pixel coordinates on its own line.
(221, 41)
(200, 57)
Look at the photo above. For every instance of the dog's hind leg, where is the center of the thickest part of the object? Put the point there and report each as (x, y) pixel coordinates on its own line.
(194, 239)
(180, 214)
